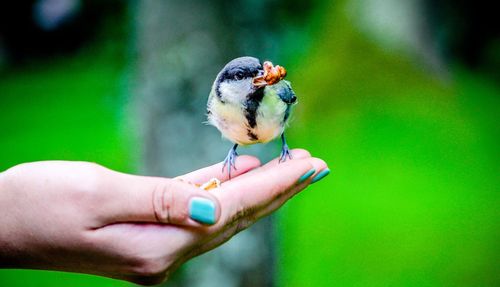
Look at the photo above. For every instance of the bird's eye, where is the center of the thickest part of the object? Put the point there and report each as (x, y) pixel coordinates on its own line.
(238, 76)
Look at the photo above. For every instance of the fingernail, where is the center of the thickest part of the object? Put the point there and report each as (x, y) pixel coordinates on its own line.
(202, 210)
(320, 175)
(307, 175)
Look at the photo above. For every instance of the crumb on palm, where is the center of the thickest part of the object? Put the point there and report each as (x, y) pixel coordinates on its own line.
(211, 184)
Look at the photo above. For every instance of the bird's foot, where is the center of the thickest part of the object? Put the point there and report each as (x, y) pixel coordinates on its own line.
(230, 161)
(285, 152)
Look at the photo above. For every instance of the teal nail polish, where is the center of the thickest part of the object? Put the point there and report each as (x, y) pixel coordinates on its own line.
(320, 175)
(202, 210)
(306, 175)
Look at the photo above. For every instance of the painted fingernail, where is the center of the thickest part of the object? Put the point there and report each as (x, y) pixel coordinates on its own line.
(202, 210)
(307, 175)
(320, 175)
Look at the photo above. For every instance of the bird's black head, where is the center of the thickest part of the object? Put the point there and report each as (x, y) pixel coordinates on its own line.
(240, 69)
(234, 83)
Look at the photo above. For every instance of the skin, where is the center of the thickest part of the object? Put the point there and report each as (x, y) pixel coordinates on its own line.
(82, 217)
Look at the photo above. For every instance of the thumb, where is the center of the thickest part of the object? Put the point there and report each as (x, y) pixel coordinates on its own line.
(130, 198)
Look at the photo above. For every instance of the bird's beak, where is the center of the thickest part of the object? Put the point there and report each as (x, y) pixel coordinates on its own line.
(270, 76)
(259, 80)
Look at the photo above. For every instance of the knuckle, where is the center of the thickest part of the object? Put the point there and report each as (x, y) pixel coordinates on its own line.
(90, 181)
(91, 174)
(166, 205)
(87, 184)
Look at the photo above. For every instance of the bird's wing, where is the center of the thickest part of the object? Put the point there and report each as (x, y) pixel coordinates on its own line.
(283, 90)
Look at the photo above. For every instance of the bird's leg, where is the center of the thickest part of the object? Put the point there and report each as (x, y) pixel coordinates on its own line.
(285, 151)
(230, 160)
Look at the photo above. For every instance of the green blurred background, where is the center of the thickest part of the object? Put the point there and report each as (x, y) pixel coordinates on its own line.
(400, 99)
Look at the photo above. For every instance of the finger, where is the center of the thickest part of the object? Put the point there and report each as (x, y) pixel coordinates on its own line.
(245, 195)
(319, 166)
(296, 154)
(240, 220)
(129, 198)
(244, 163)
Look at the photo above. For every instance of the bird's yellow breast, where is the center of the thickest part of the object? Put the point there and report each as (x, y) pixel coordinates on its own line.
(230, 119)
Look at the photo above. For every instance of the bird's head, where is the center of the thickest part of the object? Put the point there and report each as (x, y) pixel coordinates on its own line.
(244, 76)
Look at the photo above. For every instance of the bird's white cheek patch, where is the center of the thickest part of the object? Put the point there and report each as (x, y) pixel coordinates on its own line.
(235, 91)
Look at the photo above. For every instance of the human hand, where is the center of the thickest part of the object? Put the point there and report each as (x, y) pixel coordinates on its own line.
(82, 217)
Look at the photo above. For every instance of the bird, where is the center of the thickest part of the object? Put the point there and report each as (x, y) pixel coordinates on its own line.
(250, 103)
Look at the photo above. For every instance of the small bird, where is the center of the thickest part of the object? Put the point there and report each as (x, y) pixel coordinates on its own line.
(250, 103)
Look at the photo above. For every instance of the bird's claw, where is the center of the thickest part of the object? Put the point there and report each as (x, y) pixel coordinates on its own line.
(229, 161)
(285, 152)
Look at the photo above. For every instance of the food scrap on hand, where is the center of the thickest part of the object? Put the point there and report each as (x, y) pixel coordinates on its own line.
(211, 184)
